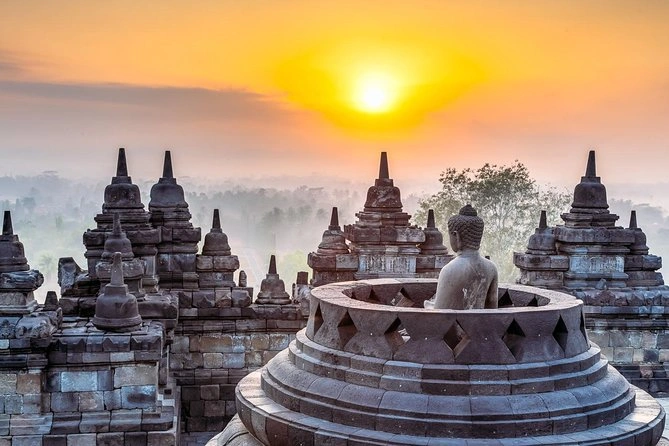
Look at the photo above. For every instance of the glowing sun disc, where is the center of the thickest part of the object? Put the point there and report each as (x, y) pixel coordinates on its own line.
(374, 95)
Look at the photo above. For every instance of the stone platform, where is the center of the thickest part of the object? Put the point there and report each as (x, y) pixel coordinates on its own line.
(367, 372)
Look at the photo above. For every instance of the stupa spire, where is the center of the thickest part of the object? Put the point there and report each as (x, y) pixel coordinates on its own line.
(7, 228)
(633, 224)
(167, 165)
(542, 220)
(272, 265)
(121, 164)
(591, 168)
(383, 167)
(430, 218)
(334, 219)
(216, 221)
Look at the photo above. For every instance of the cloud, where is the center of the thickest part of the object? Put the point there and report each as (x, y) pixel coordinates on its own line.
(188, 103)
(11, 64)
(63, 126)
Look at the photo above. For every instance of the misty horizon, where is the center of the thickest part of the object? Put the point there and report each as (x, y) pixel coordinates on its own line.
(72, 204)
(282, 95)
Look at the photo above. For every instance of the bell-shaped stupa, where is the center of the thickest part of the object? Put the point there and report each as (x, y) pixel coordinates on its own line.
(116, 309)
(272, 288)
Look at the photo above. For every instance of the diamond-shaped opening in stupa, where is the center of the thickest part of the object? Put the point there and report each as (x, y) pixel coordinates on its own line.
(533, 302)
(346, 329)
(560, 333)
(582, 327)
(505, 300)
(318, 319)
(455, 335)
(513, 338)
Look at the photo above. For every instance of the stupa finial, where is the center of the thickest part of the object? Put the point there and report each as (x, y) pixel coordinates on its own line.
(591, 169)
(542, 220)
(383, 167)
(334, 218)
(272, 265)
(167, 165)
(7, 228)
(121, 164)
(430, 218)
(216, 222)
(633, 224)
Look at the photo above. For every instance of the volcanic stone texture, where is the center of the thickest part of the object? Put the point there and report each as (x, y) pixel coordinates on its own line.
(214, 348)
(366, 372)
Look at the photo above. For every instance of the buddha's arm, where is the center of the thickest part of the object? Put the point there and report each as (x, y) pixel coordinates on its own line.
(443, 290)
(439, 295)
(491, 298)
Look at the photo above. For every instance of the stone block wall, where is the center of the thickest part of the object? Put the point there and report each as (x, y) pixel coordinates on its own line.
(98, 388)
(214, 348)
(635, 339)
(22, 414)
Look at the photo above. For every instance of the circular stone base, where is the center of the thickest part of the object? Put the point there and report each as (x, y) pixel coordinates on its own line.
(274, 424)
(368, 372)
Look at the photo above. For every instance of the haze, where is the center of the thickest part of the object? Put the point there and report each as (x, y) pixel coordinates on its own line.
(280, 94)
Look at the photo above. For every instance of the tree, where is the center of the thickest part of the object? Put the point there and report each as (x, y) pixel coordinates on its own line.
(508, 200)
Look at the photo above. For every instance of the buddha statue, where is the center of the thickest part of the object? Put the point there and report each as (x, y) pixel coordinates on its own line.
(469, 281)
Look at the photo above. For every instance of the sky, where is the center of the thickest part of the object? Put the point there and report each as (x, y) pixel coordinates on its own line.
(264, 89)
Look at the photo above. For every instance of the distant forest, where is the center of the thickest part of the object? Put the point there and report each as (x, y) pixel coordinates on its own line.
(50, 214)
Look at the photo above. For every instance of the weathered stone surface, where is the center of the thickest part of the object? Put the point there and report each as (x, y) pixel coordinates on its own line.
(382, 243)
(610, 269)
(272, 288)
(556, 387)
(138, 397)
(78, 381)
(135, 375)
(115, 308)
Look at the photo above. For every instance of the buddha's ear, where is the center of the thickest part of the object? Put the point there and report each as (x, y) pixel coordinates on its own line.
(454, 238)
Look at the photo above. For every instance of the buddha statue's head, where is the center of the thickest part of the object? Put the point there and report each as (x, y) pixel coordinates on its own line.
(465, 229)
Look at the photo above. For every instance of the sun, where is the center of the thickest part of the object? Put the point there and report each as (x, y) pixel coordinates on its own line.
(375, 93)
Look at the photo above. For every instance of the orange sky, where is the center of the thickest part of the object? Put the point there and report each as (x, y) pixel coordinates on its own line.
(278, 87)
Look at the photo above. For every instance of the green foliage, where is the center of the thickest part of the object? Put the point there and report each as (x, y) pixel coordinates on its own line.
(508, 200)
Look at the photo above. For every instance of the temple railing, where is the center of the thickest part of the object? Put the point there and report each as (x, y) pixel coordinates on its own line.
(385, 319)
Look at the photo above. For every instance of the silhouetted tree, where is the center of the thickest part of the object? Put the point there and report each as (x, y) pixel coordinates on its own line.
(508, 200)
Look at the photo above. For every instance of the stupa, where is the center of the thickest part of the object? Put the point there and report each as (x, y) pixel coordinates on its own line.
(133, 269)
(216, 264)
(177, 248)
(381, 243)
(610, 269)
(122, 197)
(17, 280)
(272, 288)
(116, 309)
(367, 371)
(517, 375)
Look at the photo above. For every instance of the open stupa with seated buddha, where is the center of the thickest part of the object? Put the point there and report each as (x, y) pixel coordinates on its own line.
(367, 372)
